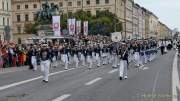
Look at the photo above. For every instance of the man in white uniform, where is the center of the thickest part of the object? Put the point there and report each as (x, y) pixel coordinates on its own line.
(45, 63)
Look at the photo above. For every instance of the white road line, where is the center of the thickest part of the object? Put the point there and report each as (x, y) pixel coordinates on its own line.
(93, 81)
(63, 97)
(145, 68)
(175, 78)
(155, 84)
(113, 71)
(30, 80)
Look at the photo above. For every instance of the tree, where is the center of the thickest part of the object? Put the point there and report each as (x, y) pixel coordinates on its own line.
(30, 28)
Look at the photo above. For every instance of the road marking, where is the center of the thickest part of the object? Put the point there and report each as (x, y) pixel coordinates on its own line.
(175, 78)
(145, 68)
(33, 79)
(155, 84)
(93, 81)
(112, 71)
(63, 97)
(141, 67)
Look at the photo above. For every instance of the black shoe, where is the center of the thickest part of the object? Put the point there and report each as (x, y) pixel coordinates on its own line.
(120, 78)
(45, 81)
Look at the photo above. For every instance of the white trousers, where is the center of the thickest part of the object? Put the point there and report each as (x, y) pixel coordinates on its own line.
(137, 58)
(45, 65)
(76, 60)
(94, 56)
(34, 62)
(123, 68)
(115, 60)
(98, 60)
(65, 60)
(55, 62)
(89, 60)
(83, 59)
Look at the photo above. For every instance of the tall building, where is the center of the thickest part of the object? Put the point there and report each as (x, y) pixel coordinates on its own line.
(163, 31)
(129, 18)
(151, 24)
(5, 16)
(24, 10)
(141, 22)
(136, 33)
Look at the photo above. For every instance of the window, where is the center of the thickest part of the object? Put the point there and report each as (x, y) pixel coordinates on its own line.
(18, 7)
(97, 11)
(60, 4)
(26, 6)
(70, 13)
(69, 3)
(19, 29)
(107, 10)
(8, 21)
(106, 1)
(3, 21)
(18, 18)
(26, 17)
(3, 5)
(78, 3)
(34, 16)
(88, 2)
(35, 5)
(89, 12)
(97, 2)
(7, 6)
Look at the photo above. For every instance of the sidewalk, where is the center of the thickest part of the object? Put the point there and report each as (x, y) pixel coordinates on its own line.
(13, 69)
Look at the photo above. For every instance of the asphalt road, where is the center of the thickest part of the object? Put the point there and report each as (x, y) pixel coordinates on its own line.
(153, 83)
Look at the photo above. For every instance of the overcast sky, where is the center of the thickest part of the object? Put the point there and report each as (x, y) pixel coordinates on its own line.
(168, 11)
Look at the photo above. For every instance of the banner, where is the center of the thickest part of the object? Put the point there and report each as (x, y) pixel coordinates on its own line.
(71, 26)
(85, 27)
(56, 26)
(78, 27)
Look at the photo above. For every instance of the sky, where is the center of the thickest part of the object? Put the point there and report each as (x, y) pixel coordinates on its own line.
(168, 11)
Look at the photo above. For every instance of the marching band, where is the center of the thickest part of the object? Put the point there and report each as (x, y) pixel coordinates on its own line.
(117, 54)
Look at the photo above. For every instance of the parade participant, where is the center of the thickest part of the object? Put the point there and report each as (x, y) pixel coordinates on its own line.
(98, 55)
(162, 47)
(89, 56)
(123, 54)
(136, 49)
(55, 51)
(131, 52)
(64, 52)
(93, 53)
(75, 56)
(142, 52)
(115, 57)
(45, 63)
(83, 55)
(178, 47)
(33, 54)
(104, 56)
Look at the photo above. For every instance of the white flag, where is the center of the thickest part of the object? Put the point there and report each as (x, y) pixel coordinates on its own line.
(85, 27)
(56, 26)
(78, 27)
(71, 26)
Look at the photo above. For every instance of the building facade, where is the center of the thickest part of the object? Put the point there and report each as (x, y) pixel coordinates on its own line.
(141, 23)
(153, 24)
(129, 18)
(5, 16)
(136, 33)
(25, 10)
(163, 31)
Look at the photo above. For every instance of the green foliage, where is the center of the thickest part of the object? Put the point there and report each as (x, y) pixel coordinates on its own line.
(102, 23)
(30, 28)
